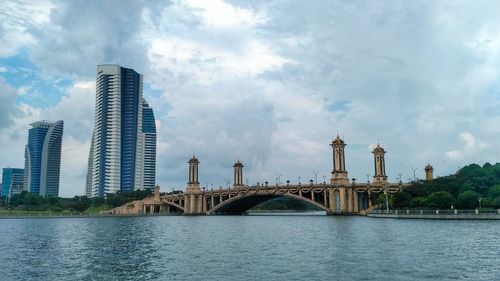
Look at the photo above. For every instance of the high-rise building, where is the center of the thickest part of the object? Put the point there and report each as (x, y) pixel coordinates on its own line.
(118, 152)
(42, 166)
(149, 133)
(12, 181)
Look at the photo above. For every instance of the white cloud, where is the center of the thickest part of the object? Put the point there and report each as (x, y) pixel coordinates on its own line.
(220, 14)
(471, 146)
(18, 18)
(187, 60)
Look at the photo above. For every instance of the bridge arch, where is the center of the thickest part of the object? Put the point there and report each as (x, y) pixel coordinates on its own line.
(172, 204)
(238, 205)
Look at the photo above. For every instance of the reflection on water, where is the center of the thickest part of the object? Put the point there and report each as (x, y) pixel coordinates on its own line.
(248, 248)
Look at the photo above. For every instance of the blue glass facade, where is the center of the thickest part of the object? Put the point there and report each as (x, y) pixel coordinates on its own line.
(105, 83)
(43, 158)
(9, 179)
(130, 85)
(36, 137)
(148, 120)
(149, 130)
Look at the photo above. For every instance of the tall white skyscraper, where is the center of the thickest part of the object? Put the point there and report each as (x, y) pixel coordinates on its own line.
(117, 155)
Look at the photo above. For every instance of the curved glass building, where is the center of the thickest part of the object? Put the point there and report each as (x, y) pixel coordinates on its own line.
(42, 164)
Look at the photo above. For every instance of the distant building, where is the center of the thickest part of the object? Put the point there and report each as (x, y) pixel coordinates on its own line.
(12, 178)
(429, 172)
(43, 158)
(149, 133)
(122, 156)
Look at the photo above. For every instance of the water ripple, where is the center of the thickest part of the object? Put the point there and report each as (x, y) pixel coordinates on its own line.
(248, 248)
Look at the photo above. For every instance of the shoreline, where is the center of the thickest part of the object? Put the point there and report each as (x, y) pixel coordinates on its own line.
(467, 216)
(81, 216)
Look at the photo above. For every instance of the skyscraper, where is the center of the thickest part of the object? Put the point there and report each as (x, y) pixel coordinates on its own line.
(117, 155)
(12, 178)
(42, 166)
(149, 133)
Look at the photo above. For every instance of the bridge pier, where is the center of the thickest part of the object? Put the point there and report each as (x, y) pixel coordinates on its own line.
(356, 201)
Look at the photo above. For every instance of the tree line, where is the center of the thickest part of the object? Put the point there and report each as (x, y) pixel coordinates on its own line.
(469, 187)
(27, 201)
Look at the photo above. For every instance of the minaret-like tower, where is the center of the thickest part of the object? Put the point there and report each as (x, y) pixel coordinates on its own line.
(379, 161)
(429, 172)
(193, 197)
(238, 174)
(193, 183)
(339, 174)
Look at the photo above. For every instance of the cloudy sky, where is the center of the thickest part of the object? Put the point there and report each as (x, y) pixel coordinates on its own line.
(268, 82)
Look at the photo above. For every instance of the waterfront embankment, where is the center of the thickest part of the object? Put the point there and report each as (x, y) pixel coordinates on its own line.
(47, 215)
(437, 214)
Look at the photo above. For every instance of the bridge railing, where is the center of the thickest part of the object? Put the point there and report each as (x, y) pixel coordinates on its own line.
(403, 212)
(286, 186)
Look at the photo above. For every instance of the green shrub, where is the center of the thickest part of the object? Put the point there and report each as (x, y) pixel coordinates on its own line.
(468, 200)
(440, 200)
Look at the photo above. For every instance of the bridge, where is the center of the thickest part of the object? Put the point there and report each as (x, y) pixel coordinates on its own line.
(340, 196)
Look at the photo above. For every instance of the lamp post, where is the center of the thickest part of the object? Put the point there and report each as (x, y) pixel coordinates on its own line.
(414, 175)
(386, 200)
(316, 176)
(278, 179)
(479, 199)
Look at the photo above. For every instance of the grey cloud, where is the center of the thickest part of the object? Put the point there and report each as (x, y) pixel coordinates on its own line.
(218, 132)
(82, 34)
(391, 61)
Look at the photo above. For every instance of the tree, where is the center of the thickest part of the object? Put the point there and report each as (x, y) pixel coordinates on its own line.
(417, 189)
(494, 191)
(418, 202)
(468, 200)
(401, 200)
(440, 200)
(467, 186)
(30, 199)
(496, 203)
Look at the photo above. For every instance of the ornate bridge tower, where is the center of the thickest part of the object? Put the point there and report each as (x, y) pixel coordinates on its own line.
(193, 198)
(379, 161)
(339, 174)
(429, 172)
(238, 174)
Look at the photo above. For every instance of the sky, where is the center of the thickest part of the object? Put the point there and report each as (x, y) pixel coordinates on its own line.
(267, 82)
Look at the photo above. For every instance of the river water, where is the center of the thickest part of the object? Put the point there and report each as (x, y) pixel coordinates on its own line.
(248, 248)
